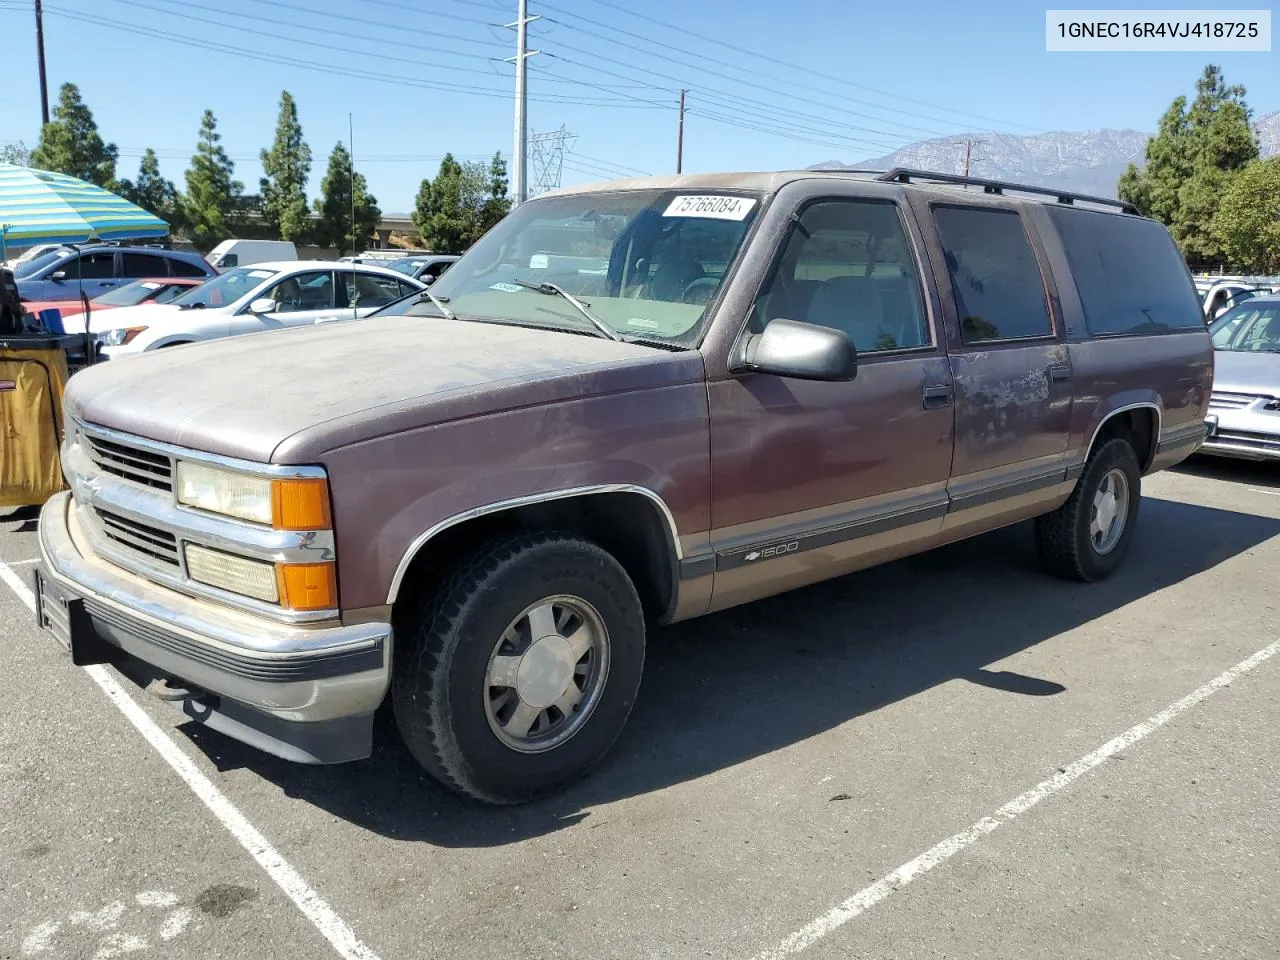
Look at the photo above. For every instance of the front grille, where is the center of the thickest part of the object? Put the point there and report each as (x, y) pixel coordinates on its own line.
(130, 463)
(152, 542)
(1224, 400)
(1267, 442)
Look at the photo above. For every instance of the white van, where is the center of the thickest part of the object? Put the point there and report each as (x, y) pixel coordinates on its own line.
(238, 253)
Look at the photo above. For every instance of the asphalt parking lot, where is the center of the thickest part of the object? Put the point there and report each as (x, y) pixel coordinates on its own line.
(916, 761)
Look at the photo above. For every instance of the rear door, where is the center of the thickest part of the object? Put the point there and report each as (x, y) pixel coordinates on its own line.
(1010, 367)
(813, 479)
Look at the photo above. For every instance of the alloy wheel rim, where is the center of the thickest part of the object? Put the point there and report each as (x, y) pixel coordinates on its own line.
(546, 674)
(1110, 511)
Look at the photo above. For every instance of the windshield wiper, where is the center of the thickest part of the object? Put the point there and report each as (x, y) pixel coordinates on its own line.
(555, 290)
(438, 303)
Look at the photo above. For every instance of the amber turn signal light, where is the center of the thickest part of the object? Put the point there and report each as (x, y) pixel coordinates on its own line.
(300, 504)
(307, 586)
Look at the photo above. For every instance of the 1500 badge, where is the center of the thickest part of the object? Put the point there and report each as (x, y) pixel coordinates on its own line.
(776, 550)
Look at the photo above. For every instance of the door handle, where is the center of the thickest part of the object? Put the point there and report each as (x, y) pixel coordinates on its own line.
(937, 396)
(1059, 372)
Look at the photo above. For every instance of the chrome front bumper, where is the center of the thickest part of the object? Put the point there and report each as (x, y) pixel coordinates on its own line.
(1245, 437)
(303, 692)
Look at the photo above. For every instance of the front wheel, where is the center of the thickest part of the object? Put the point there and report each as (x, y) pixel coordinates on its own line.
(524, 667)
(1088, 536)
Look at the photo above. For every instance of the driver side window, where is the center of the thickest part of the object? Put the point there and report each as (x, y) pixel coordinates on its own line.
(848, 265)
(303, 291)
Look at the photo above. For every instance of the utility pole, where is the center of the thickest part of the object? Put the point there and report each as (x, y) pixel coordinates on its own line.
(351, 158)
(968, 143)
(44, 83)
(519, 166)
(680, 135)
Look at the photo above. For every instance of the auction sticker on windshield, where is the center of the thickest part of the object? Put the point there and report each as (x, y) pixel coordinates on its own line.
(714, 207)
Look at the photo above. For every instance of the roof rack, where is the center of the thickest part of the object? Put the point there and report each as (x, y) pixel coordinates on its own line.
(906, 175)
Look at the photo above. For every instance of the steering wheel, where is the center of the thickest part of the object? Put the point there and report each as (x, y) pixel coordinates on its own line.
(700, 290)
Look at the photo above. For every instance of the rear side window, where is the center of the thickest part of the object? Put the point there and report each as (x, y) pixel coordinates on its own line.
(143, 265)
(998, 286)
(1128, 273)
(184, 268)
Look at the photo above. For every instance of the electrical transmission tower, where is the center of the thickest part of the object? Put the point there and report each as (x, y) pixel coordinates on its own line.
(546, 158)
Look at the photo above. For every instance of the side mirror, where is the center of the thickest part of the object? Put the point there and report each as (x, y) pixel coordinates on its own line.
(263, 305)
(790, 348)
(427, 279)
(58, 276)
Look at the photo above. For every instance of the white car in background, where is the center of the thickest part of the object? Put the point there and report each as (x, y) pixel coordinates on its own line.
(263, 296)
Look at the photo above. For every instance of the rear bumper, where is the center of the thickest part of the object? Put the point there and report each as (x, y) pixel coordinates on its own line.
(305, 693)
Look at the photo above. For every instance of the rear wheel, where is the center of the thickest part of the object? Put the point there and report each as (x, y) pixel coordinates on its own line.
(1088, 536)
(524, 667)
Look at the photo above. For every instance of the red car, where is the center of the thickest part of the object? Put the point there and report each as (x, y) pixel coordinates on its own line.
(157, 290)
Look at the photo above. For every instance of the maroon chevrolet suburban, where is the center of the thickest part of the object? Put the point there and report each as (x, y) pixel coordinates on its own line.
(628, 404)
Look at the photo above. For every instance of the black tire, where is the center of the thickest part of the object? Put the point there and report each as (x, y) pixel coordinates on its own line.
(1063, 537)
(438, 685)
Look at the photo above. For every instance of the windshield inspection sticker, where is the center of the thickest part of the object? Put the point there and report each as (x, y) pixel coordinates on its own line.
(643, 322)
(713, 207)
(506, 287)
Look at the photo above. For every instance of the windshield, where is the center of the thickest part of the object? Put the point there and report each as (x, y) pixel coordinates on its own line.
(1248, 328)
(646, 262)
(405, 266)
(130, 293)
(36, 264)
(224, 289)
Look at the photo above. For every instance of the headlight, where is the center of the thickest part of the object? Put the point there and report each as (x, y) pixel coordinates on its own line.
(119, 337)
(286, 503)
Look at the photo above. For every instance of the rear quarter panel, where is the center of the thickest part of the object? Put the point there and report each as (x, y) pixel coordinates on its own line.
(1171, 372)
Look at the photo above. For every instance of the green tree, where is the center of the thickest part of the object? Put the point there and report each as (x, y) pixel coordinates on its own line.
(211, 192)
(463, 201)
(70, 143)
(287, 166)
(1191, 163)
(1247, 222)
(152, 192)
(15, 153)
(334, 205)
(498, 204)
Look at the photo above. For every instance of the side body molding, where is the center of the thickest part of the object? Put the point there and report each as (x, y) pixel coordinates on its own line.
(437, 528)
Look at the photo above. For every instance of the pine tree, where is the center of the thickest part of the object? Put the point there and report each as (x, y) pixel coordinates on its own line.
(334, 205)
(498, 204)
(70, 143)
(1191, 164)
(287, 166)
(152, 192)
(211, 192)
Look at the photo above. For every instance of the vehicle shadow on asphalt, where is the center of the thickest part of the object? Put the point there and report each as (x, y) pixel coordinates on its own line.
(1248, 473)
(732, 686)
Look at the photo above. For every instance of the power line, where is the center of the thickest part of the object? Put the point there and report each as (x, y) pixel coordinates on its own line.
(757, 56)
(396, 28)
(187, 41)
(702, 59)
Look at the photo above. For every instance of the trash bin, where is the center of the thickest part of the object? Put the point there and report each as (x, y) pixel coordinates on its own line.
(33, 374)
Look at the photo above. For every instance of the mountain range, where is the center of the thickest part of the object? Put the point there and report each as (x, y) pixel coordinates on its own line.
(1089, 162)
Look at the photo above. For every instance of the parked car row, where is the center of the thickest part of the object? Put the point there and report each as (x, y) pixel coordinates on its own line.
(1220, 294)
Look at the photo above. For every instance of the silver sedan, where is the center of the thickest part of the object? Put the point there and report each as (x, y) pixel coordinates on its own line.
(1244, 410)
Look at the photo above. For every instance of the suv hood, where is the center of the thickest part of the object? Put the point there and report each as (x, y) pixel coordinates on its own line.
(291, 395)
(1237, 371)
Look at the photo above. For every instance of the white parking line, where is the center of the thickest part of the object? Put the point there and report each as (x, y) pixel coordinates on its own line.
(331, 926)
(22, 563)
(868, 897)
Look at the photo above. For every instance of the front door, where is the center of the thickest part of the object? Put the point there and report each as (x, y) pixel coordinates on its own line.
(301, 299)
(1009, 365)
(813, 479)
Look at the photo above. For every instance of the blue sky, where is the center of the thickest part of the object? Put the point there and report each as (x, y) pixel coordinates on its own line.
(771, 85)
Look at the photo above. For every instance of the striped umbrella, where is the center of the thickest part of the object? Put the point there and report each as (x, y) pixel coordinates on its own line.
(38, 206)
